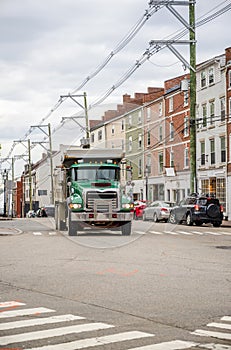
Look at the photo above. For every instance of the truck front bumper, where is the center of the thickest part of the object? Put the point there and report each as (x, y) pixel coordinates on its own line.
(94, 217)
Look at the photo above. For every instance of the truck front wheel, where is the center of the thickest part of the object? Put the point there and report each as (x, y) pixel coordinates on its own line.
(126, 229)
(72, 226)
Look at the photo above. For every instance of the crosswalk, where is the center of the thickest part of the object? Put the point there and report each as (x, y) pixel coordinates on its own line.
(41, 329)
(163, 232)
(183, 233)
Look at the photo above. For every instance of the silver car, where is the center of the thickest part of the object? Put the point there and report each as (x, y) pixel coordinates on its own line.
(158, 211)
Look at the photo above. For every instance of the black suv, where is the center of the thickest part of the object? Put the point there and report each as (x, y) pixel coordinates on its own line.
(199, 210)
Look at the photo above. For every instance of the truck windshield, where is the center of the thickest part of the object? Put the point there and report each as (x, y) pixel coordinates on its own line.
(96, 173)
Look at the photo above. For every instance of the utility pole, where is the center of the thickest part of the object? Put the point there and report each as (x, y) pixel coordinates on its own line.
(30, 176)
(169, 4)
(192, 37)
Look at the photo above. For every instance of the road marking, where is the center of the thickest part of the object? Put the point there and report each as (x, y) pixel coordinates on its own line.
(156, 232)
(171, 345)
(219, 335)
(11, 304)
(198, 233)
(212, 233)
(37, 233)
(171, 232)
(219, 325)
(226, 318)
(215, 346)
(141, 232)
(226, 233)
(185, 232)
(99, 341)
(39, 321)
(52, 233)
(25, 312)
(50, 333)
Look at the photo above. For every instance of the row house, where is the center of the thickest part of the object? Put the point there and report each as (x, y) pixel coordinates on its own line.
(156, 136)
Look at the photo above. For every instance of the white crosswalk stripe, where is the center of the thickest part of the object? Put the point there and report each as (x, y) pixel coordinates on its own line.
(90, 342)
(171, 232)
(11, 304)
(171, 345)
(25, 312)
(48, 333)
(215, 347)
(39, 321)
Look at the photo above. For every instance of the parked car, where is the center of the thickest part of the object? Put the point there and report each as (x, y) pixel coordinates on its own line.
(139, 206)
(158, 211)
(199, 210)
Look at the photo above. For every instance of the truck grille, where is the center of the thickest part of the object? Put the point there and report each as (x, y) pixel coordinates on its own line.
(102, 201)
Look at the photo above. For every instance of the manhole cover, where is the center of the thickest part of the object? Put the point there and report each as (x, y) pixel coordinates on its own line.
(224, 247)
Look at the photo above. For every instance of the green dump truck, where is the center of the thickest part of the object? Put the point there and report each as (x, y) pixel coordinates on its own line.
(92, 193)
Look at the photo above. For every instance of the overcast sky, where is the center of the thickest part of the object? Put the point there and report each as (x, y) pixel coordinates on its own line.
(49, 47)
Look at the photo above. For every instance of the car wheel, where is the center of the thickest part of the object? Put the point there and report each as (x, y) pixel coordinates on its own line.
(189, 221)
(155, 218)
(217, 224)
(172, 218)
(198, 223)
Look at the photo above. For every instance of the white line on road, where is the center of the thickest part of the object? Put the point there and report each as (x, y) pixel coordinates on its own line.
(185, 232)
(141, 232)
(25, 312)
(213, 233)
(50, 333)
(198, 233)
(219, 325)
(219, 335)
(213, 346)
(156, 232)
(226, 318)
(37, 233)
(11, 304)
(99, 341)
(171, 345)
(39, 321)
(171, 232)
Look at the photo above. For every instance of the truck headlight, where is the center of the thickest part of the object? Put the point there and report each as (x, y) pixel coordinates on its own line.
(127, 206)
(75, 206)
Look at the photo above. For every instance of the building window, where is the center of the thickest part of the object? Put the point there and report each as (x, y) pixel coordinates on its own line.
(204, 115)
(170, 104)
(148, 138)
(171, 159)
(223, 151)
(186, 157)
(229, 82)
(122, 125)
(113, 129)
(230, 108)
(185, 98)
(222, 105)
(160, 109)
(161, 162)
(160, 133)
(203, 79)
(100, 135)
(139, 167)
(212, 151)
(148, 113)
(211, 112)
(92, 138)
(148, 163)
(140, 141)
(171, 136)
(186, 126)
(139, 117)
(202, 153)
(130, 143)
(42, 192)
(211, 76)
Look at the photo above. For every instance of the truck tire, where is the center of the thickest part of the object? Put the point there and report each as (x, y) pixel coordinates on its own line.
(72, 226)
(126, 229)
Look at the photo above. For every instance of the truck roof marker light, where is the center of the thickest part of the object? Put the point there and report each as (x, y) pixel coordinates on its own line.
(80, 161)
(109, 161)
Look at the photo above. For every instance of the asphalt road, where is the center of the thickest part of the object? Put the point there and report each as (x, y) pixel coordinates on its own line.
(166, 287)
